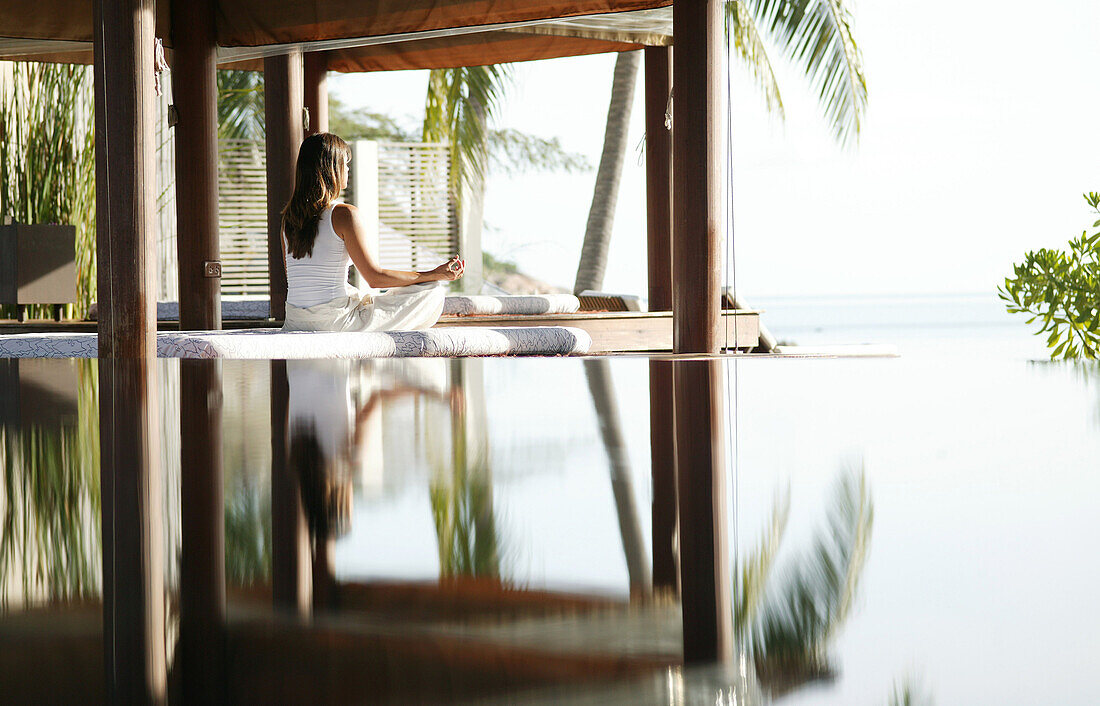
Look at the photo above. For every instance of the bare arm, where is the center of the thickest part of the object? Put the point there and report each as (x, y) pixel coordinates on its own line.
(348, 224)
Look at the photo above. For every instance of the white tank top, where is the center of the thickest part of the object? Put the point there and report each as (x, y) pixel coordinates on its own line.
(323, 275)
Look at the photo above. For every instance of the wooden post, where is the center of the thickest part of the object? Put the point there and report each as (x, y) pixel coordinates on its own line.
(662, 437)
(133, 576)
(291, 576)
(131, 506)
(283, 116)
(704, 561)
(195, 87)
(315, 72)
(697, 173)
(202, 514)
(658, 173)
(126, 249)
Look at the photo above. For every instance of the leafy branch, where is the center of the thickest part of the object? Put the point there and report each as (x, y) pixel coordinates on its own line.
(1061, 289)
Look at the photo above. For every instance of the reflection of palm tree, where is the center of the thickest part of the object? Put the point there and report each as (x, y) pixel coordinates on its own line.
(598, 372)
(462, 497)
(49, 541)
(787, 627)
(816, 35)
(465, 525)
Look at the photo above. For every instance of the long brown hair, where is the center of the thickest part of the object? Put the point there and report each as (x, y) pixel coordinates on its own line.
(316, 185)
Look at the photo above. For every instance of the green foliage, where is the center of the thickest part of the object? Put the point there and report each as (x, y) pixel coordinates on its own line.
(817, 36)
(248, 536)
(514, 151)
(1061, 289)
(491, 264)
(47, 159)
(353, 124)
(240, 105)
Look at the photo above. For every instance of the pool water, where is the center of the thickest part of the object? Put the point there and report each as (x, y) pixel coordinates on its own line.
(925, 524)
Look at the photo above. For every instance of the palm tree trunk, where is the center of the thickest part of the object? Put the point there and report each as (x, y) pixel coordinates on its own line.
(601, 215)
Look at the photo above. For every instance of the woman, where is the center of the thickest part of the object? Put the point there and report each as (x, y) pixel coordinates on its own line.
(322, 237)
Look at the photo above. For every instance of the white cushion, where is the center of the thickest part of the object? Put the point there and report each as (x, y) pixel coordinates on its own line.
(273, 343)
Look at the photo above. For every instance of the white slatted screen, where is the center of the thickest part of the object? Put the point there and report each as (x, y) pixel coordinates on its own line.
(242, 217)
(417, 226)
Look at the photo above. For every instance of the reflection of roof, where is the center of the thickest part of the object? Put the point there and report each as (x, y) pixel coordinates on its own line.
(369, 36)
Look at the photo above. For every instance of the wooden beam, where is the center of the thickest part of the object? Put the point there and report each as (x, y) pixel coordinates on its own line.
(195, 89)
(283, 115)
(126, 249)
(697, 173)
(704, 561)
(132, 517)
(658, 174)
(315, 71)
(202, 525)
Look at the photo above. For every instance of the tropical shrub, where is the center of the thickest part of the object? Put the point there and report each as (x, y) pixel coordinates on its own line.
(1061, 291)
(47, 159)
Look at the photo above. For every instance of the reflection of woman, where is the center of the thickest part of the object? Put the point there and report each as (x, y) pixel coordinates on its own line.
(319, 457)
(327, 439)
(323, 237)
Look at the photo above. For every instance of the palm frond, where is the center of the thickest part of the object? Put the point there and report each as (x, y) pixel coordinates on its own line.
(749, 45)
(460, 104)
(240, 105)
(817, 35)
(513, 151)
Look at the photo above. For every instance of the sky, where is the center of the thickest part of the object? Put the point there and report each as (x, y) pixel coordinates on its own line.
(979, 138)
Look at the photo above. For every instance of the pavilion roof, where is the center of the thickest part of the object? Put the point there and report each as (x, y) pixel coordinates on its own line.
(367, 35)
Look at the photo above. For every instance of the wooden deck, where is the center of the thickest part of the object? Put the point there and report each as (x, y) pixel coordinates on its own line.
(624, 331)
(611, 332)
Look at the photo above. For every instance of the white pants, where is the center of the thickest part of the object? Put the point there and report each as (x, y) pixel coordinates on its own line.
(411, 308)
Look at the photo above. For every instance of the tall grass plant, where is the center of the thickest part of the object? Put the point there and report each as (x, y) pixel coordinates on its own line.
(47, 160)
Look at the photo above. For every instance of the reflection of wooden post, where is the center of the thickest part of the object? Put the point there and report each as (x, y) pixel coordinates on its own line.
(698, 166)
(704, 563)
(315, 74)
(202, 556)
(195, 85)
(662, 455)
(598, 371)
(662, 444)
(290, 551)
(133, 572)
(283, 117)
